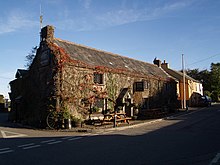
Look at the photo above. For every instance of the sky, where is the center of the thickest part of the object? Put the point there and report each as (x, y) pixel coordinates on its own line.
(139, 29)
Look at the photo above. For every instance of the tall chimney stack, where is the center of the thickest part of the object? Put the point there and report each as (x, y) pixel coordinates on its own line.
(165, 65)
(47, 33)
(157, 62)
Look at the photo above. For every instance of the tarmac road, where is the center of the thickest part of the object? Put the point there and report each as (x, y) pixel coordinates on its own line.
(189, 138)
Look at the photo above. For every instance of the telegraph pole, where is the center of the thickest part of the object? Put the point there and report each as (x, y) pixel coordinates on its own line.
(184, 83)
(41, 18)
(41, 22)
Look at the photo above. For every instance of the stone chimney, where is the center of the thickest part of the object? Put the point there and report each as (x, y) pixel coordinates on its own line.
(165, 65)
(157, 62)
(47, 33)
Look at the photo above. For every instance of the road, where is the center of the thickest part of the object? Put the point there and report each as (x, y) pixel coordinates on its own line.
(192, 138)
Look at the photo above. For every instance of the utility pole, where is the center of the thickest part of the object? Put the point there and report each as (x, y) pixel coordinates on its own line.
(41, 18)
(41, 22)
(184, 83)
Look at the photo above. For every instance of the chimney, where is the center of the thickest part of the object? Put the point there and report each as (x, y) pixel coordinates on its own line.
(157, 62)
(165, 65)
(47, 33)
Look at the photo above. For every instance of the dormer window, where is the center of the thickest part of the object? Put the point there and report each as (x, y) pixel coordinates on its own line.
(98, 78)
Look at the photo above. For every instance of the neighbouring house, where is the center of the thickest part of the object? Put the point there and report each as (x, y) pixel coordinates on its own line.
(193, 88)
(80, 80)
(4, 104)
(18, 88)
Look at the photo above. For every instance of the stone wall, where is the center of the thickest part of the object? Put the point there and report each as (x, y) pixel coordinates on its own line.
(79, 92)
(56, 82)
(30, 95)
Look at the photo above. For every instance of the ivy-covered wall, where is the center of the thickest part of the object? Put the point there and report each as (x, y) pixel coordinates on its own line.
(80, 92)
(31, 94)
(57, 82)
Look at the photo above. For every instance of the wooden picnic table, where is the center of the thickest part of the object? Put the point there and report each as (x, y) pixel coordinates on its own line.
(120, 117)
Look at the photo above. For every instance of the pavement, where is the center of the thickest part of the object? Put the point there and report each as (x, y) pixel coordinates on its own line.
(132, 123)
(93, 128)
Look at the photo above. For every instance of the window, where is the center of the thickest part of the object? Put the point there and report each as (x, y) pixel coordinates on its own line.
(139, 86)
(159, 85)
(146, 84)
(98, 78)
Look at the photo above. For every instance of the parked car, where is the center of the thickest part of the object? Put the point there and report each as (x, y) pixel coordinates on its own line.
(205, 101)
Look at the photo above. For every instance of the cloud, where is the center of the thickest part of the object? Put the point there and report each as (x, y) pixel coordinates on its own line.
(85, 3)
(125, 13)
(175, 6)
(14, 21)
(118, 17)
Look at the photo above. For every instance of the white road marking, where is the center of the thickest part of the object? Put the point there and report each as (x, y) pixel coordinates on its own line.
(25, 145)
(30, 147)
(8, 134)
(68, 137)
(6, 151)
(75, 138)
(55, 142)
(33, 145)
(2, 149)
(215, 160)
(47, 141)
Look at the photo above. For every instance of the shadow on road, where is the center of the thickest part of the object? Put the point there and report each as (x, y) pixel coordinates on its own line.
(192, 139)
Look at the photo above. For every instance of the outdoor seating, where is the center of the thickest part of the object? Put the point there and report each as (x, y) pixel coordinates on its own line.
(120, 118)
(109, 118)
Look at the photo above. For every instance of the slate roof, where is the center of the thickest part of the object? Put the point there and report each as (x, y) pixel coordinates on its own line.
(179, 75)
(21, 73)
(97, 57)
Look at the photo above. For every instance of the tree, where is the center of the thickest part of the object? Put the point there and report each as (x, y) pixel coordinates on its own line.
(194, 74)
(215, 77)
(205, 78)
(210, 80)
(202, 76)
(30, 57)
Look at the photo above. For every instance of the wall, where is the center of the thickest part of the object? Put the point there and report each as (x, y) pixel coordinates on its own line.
(30, 95)
(54, 81)
(80, 92)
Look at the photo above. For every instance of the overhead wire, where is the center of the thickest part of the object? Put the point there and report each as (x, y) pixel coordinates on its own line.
(2, 77)
(203, 59)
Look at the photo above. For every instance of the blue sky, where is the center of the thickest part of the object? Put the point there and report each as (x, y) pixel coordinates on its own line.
(140, 29)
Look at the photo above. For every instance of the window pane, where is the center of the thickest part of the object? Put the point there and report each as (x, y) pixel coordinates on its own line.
(98, 78)
(139, 86)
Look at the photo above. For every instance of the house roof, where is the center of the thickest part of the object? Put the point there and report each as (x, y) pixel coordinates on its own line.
(95, 57)
(21, 73)
(178, 75)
